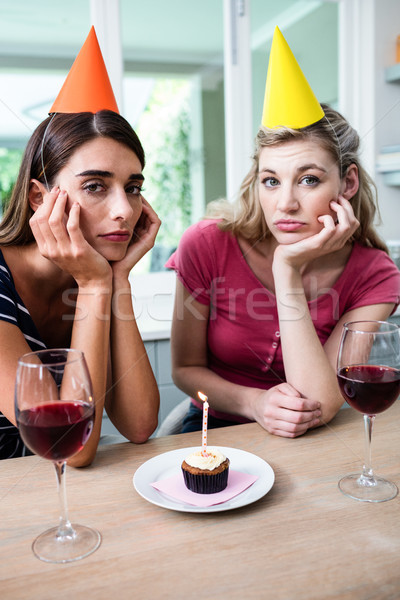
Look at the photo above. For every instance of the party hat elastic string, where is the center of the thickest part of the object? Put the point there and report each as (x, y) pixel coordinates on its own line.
(338, 145)
(41, 152)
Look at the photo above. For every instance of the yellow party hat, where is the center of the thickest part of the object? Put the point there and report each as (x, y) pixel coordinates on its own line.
(289, 100)
(87, 87)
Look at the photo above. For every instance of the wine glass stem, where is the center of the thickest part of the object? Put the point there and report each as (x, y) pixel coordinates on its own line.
(65, 529)
(368, 425)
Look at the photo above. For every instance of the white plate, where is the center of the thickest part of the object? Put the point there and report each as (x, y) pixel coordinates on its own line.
(169, 464)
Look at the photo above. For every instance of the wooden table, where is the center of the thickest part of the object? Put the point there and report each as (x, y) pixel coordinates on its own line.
(303, 540)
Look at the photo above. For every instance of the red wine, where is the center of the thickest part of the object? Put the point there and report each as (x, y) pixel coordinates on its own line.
(369, 389)
(58, 430)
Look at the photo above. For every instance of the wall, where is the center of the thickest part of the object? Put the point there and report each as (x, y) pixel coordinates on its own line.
(367, 37)
(214, 141)
(387, 108)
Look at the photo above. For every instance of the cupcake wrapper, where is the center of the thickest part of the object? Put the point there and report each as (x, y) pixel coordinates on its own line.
(206, 484)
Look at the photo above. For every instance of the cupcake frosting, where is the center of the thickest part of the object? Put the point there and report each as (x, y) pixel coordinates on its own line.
(213, 459)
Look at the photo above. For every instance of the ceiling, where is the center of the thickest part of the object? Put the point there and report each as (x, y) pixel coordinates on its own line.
(162, 29)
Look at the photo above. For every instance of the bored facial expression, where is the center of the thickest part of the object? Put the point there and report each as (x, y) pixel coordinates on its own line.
(105, 178)
(297, 181)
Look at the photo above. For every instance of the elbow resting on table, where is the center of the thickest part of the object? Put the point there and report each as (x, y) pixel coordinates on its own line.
(330, 411)
(137, 422)
(140, 430)
(80, 460)
(142, 435)
(139, 436)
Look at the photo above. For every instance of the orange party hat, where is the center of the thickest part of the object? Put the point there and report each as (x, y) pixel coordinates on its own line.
(289, 100)
(87, 87)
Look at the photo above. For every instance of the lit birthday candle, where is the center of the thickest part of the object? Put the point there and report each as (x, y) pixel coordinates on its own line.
(204, 399)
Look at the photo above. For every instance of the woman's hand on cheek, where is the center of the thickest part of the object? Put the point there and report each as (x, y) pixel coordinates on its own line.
(346, 221)
(335, 233)
(143, 238)
(60, 239)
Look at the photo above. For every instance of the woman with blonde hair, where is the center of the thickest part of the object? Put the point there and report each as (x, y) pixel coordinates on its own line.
(265, 286)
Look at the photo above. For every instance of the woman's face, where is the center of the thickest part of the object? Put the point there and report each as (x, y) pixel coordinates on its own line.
(297, 181)
(105, 178)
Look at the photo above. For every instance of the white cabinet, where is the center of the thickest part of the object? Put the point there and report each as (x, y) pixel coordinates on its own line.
(170, 395)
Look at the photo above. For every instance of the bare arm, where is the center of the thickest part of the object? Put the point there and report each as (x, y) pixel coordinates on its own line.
(280, 410)
(89, 334)
(12, 346)
(190, 371)
(133, 401)
(309, 367)
(60, 239)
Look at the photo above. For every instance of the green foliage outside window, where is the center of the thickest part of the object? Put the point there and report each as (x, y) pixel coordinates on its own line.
(10, 161)
(164, 130)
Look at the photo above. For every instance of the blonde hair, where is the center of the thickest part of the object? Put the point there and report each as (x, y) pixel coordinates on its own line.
(334, 133)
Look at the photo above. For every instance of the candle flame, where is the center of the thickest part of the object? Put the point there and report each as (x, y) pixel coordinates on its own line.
(202, 396)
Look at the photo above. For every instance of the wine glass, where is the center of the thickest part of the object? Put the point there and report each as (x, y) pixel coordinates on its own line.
(369, 380)
(55, 411)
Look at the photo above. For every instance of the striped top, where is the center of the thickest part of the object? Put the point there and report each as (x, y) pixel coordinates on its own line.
(13, 311)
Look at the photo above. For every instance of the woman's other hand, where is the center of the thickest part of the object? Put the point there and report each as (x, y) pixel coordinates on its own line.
(60, 239)
(143, 239)
(282, 411)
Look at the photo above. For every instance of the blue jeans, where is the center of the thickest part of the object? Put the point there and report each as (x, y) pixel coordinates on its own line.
(193, 421)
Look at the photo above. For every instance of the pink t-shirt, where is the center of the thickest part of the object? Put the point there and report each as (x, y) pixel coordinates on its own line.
(243, 330)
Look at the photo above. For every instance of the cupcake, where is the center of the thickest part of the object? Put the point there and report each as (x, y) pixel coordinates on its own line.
(206, 474)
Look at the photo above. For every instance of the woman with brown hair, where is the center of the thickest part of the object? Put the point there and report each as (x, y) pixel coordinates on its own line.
(76, 225)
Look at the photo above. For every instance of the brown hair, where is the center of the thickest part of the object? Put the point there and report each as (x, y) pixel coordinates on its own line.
(336, 135)
(49, 149)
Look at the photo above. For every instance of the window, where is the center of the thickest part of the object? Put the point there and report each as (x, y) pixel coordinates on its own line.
(174, 84)
(178, 47)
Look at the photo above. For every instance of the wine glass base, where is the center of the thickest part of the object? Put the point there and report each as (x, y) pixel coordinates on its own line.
(50, 548)
(367, 489)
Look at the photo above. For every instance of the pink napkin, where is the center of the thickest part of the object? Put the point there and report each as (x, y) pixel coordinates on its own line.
(175, 487)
